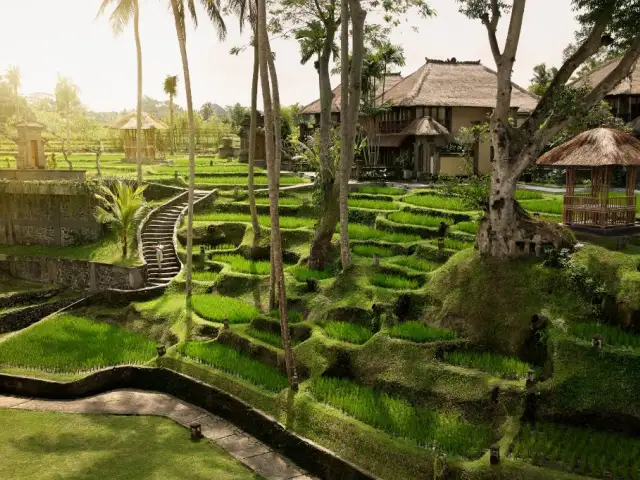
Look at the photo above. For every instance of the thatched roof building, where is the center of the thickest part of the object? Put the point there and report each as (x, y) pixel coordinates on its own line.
(595, 148)
(129, 121)
(628, 86)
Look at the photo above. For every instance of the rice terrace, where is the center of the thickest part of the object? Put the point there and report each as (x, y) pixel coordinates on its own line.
(375, 262)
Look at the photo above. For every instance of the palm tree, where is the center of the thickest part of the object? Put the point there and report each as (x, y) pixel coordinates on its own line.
(390, 55)
(276, 242)
(120, 209)
(214, 12)
(171, 88)
(13, 77)
(119, 18)
(66, 100)
(311, 39)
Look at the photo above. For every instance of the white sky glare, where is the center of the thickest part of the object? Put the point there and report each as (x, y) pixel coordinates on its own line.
(66, 38)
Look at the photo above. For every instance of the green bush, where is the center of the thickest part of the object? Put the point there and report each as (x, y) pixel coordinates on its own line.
(348, 332)
(241, 264)
(363, 232)
(444, 431)
(68, 343)
(371, 250)
(437, 201)
(413, 219)
(373, 190)
(231, 361)
(419, 332)
(372, 204)
(217, 308)
(497, 365)
(394, 282)
(612, 335)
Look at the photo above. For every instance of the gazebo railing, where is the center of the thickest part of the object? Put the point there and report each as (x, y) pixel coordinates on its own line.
(599, 211)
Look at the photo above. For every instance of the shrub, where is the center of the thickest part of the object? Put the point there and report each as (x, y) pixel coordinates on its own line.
(301, 273)
(217, 307)
(241, 264)
(438, 202)
(348, 332)
(69, 343)
(371, 250)
(612, 335)
(372, 204)
(394, 282)
(419, 332)
(231, 361)
(497, 365)
(416, 263)
(413, 219)
(374, 190)
(444, 431)
(363, 232)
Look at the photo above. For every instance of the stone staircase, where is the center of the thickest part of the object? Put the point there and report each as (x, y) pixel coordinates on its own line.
(159, 229)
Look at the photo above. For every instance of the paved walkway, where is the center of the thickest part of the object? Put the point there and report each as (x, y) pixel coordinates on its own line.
(254, 454)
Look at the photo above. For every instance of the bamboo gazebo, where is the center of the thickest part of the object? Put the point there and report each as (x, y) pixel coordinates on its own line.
(151, 144)
(600, 150)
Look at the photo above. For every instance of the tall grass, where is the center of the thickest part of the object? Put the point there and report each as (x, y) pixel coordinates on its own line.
(444, 431)
(394, 282)
(437, 202)
(362, 232)
(372, 204)
(543, 206)
(582, 450)
(68, 343)
(302, 274)
(348, 332)
(612, 335)
(240, 264)
(379, 190)
(413, 219)
(419, 332)
(415, 263)
(493, 364)
(217, 307)
(235, 363)
(371, 250)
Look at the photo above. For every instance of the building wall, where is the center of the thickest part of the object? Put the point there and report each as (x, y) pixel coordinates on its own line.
(463, 117)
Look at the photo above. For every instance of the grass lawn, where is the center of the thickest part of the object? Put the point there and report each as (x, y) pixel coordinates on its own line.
(68, 343)
(48, 445)
(105, 250)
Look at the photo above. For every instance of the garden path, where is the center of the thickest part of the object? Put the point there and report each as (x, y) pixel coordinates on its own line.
(254, 454)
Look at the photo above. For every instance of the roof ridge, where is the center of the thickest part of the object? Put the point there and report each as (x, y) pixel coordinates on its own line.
(419, 84)
(452, 61)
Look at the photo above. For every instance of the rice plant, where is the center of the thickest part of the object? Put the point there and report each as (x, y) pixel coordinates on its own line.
(409, 218)
(224, 246)
(205, 276)
(371, 250)
(374, 190)
(528, 195)
(358, 231)
(493, 364)
(302, 274)
(591, 452)
(437, 202)
(467, 227)
(372, 204)
(284, 201)
(394, 282)
(259, 180)
(217, 308)
(453, 243)
(348, 332)
(445, 431)
(550, 205)
(235, 363)
(268, 337)
(68, 343)
(612, 335)
(293, 316)
(264, 220)
(419, 332)
(241, 264)
(415, 263)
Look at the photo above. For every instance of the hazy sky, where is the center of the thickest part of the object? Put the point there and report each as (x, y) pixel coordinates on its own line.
(47, 37)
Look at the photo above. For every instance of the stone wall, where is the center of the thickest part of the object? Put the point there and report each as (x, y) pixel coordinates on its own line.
(23, 317)
(47, 213)
(77, 274)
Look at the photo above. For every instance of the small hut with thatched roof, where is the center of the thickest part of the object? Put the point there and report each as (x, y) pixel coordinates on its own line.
(152, 145)
(599, 150)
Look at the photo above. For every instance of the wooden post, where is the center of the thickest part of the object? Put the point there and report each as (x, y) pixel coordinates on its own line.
(567, 213)
(631, 195)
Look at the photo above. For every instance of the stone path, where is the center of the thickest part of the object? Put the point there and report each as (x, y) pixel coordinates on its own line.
(254, 454)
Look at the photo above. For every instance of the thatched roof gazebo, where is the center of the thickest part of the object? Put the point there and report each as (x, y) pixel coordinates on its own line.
(151, 144)
(599, 150)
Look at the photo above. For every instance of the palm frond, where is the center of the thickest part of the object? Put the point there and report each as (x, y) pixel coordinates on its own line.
(213, 9)
(191, 6)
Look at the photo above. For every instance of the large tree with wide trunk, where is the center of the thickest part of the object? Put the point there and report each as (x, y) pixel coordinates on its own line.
(518, 147)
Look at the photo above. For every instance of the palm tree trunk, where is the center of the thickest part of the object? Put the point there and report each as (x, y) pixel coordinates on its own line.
(345, 256)
(253, 127)
(182, 41)
(136, 32)
(276, 244)
(172, 146)
(124, 244)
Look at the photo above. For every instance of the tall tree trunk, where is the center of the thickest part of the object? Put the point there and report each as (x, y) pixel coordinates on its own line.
(253, 127)
(136, 32)
(350, 105)
(182, 41)
(276, 243)
(329, 213)
(172, 144)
